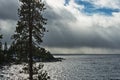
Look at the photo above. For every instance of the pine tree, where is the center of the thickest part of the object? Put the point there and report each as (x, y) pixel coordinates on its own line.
(1, 54)
(30, 27)
(0, 37)
(0, 43)
(5, 48)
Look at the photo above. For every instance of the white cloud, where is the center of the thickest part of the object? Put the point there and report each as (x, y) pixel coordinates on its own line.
(84, 20)
(55, 3)
(69, 26)
(7, 25)
(7, 29)
(108, 3)
(96, 26)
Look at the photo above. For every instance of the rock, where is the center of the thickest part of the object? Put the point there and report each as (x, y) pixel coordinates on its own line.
(1, 75)
(11, 74)
(20, 71)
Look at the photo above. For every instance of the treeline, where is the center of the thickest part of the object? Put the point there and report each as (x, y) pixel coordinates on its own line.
(18, 53)
(28, 36)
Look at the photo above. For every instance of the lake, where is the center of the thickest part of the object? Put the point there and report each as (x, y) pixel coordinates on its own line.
(85, 67)
(74, 67)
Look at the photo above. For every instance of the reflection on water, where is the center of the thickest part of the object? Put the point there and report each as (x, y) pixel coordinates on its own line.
(85, 67)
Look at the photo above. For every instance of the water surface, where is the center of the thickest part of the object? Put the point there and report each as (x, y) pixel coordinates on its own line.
(85, 67)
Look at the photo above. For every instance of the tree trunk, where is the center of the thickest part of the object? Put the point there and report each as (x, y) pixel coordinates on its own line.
(30, 45)
(30, 56)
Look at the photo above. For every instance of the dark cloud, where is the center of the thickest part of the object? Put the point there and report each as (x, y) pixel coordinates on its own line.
(65, 38)
(60, 33)
(62, 15)
(8, 9)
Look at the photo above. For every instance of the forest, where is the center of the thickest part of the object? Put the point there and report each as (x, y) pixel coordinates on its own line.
(26, 40)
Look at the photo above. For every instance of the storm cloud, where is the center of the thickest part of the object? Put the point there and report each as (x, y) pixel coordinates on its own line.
(69, 30)
(69, 27)
(8, 9)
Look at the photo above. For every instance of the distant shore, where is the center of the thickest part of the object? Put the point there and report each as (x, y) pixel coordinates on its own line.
(53, 60)
(81, 54)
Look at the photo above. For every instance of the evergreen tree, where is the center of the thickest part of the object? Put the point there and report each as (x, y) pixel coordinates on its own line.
(5, 48)
(1, 54)
(21, 51)
(0, 38)
(5, 52)
(11, 55)
(0, 42)
(30, 27)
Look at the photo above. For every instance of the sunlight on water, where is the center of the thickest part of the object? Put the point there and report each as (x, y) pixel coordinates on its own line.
(74, 67)
(85, 67)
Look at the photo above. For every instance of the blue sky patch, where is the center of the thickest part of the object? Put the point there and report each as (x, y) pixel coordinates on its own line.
(90, 8)
(85, 3)
(66, 2)
(107, 11)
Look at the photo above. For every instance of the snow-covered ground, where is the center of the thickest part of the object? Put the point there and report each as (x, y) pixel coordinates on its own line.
(13, 72)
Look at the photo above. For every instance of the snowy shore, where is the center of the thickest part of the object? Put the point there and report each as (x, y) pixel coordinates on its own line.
(13, 72)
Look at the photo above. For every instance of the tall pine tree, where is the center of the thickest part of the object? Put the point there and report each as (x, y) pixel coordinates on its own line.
(0, 43)
(1, 54)
(0, 36)
(5, 48)
(30, 27)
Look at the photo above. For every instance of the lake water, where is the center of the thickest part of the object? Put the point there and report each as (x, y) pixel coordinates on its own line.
(74, 67)
(85, 67)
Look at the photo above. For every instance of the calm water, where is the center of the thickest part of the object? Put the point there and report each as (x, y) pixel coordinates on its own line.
(85, 67)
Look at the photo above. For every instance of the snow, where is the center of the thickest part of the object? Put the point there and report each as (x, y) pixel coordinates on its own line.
(14, 72)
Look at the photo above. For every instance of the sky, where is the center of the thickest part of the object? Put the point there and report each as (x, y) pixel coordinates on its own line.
(75, 26)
